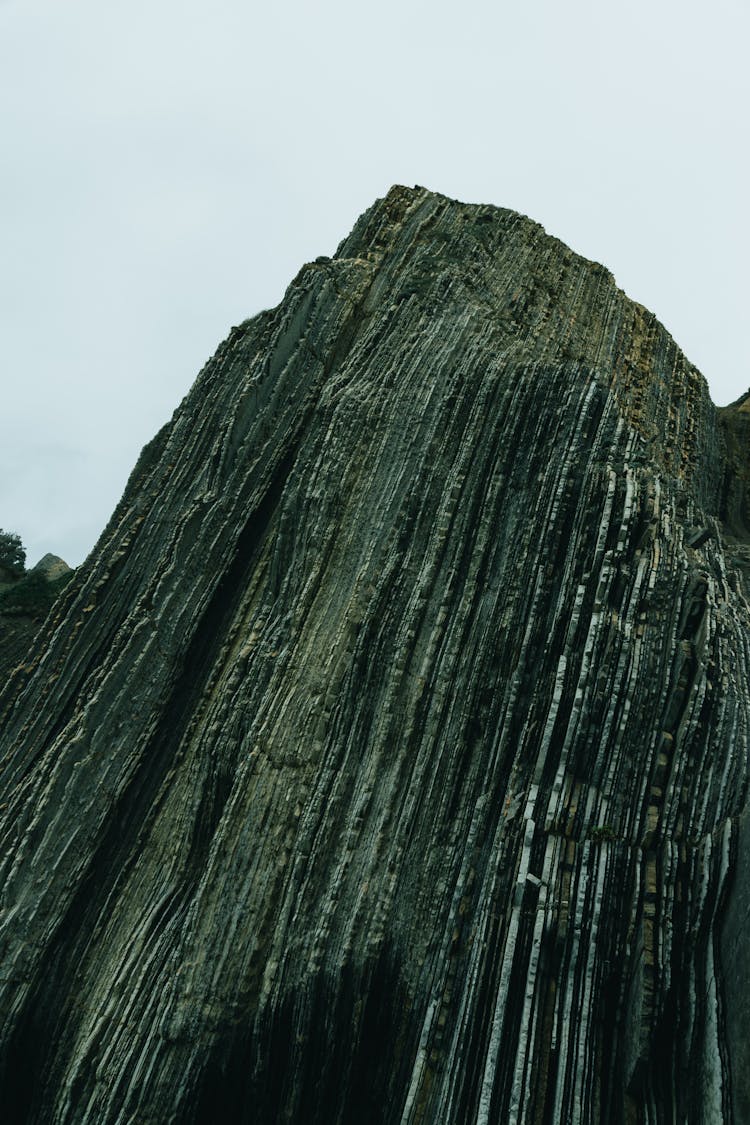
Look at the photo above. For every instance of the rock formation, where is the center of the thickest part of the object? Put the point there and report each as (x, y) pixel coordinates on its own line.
(386, 760)
(17, 636)
(51, 566)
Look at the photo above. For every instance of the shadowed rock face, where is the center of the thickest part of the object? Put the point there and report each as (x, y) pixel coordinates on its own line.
(385, 761)
(17, 636)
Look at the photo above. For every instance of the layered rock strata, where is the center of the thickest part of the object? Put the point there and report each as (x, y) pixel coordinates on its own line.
(17, 636)
(386, 760)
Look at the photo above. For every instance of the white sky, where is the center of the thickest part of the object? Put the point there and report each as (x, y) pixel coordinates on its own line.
(168, 166)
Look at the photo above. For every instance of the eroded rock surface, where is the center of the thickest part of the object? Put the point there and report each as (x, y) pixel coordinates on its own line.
(384, 761)
(17, 636)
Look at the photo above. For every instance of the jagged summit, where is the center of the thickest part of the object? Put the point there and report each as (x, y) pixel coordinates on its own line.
(386, 760)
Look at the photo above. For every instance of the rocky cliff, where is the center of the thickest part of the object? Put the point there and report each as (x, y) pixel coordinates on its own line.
(386, 761)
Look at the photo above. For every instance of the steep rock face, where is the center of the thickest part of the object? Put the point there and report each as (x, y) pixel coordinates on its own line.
(385, 761)
(17, 636)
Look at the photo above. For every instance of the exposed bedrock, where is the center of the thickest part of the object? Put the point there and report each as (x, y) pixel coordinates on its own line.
(386, 761)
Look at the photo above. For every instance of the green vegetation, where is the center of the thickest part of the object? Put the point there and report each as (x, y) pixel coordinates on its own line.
(32, 595)
(12, 553)
(602, 832)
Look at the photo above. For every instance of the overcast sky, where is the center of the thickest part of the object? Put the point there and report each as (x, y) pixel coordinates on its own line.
(168, 166)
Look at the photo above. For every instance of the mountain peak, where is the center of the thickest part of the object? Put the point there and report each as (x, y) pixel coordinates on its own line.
(386, 759)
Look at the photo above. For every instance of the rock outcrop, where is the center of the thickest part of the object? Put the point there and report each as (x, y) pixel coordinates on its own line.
(51, 566)
(18, 634)
(386, 760)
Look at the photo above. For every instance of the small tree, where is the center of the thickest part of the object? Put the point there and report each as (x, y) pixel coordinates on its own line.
(12, 553)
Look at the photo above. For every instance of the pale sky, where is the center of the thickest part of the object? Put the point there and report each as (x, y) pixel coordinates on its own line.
(168, 166)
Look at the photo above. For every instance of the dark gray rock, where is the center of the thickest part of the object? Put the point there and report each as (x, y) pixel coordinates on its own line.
(735, 959)
(384, 761)
(18, 634)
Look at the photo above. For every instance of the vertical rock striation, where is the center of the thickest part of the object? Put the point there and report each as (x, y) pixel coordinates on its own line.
(386, 761)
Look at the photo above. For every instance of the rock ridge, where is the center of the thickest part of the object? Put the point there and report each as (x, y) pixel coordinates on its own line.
(387, 759)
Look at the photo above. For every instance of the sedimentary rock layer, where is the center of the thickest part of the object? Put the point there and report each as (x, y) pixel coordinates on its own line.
(384, 761)
(17, 636)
